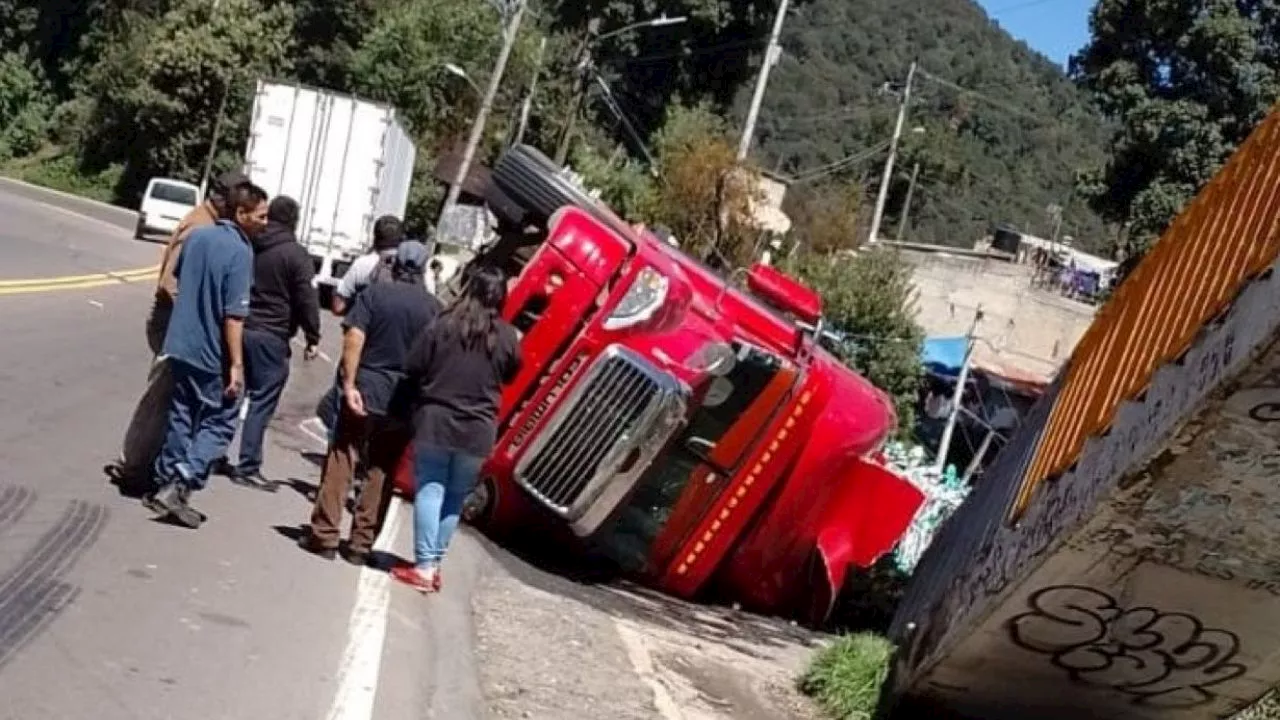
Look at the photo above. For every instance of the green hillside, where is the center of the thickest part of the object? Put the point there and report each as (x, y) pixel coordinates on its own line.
(1001, 154)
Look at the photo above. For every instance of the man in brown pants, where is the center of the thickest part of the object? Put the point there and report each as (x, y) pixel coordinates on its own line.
(377, 332)
(146, 430)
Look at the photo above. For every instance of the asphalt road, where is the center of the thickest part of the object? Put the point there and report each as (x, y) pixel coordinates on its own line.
(108, 614)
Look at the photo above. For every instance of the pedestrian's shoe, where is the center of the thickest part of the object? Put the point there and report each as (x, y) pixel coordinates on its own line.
(253, 480)
(355, 556)
(171, 501)
(309, 543)
(424, 580)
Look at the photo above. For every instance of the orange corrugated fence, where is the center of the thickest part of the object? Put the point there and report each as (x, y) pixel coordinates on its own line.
(1224, 237)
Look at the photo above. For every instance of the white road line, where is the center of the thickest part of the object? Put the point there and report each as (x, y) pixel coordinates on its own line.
(366, 631)
(316, 435)
(642, 663)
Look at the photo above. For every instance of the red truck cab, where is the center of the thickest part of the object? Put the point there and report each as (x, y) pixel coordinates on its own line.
(693, 433)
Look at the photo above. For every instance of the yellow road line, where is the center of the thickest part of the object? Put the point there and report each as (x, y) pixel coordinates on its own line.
(75, 280)
(81, 285)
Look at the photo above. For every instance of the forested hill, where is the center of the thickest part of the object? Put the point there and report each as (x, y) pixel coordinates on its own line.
(1002, 154)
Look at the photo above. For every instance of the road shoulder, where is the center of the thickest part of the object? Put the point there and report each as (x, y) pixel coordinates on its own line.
(549, 648)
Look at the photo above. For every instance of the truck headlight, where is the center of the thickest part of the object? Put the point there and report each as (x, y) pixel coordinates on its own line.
(647, 293)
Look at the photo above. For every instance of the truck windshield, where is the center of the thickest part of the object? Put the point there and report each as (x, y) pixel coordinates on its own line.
(720, 431)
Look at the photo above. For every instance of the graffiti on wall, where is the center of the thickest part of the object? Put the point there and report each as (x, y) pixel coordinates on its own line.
(1158, 659)
(1139, 431)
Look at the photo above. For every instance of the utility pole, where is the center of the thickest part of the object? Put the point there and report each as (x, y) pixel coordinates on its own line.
(217, 127)
(878, 215)
(511, 32)
(944, 445)
(771, 53)
(906, 206)
(527, 105)
(582, 66)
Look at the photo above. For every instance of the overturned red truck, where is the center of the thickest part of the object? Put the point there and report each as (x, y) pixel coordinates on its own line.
(697, 436)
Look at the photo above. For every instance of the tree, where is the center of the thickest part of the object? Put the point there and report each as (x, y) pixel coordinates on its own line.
(868, 301)
(825, 219)
(1187, 81)
(702, 194)
(25, 106)
(327, 34)
(623, 183)
(157, 90)
(402, 61)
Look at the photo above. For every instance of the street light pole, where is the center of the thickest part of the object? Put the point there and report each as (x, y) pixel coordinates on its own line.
(217, 127)
(878, 216)
(512, 31)
(527, 105)
(906, 206)
(582, 65)
(957, 397)
(757, 99)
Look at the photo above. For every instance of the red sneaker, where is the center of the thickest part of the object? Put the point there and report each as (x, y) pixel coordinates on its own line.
(416, 579)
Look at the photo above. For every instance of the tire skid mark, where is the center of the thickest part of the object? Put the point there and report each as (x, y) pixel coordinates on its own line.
(57, 549)
(44, 606)
(33, 593)
(14, 501)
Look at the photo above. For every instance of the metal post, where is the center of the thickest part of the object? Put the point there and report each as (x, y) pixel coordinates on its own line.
(582, 64)
(527, 105)
(944, 445)
(217, 128)
(906, 206)
(213, 141)
(878, 215)
(512, 31)
(757, 99)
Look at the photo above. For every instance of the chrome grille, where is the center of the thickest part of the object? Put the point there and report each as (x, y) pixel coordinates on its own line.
(622, 405)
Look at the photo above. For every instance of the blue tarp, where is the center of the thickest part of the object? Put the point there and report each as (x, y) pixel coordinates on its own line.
(943, 355)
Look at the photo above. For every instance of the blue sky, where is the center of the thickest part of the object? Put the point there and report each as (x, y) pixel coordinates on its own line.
(1056, 28)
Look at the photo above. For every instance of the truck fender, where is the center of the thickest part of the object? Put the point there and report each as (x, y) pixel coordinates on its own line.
(866, 517)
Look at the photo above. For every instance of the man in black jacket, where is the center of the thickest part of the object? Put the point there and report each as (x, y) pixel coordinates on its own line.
(282, 301)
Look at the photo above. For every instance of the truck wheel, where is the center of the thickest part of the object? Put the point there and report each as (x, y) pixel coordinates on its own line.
(533, 181)
(139, 232)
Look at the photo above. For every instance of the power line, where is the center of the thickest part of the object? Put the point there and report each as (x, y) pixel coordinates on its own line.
(840, 164)
(684, 53)
(990, 100)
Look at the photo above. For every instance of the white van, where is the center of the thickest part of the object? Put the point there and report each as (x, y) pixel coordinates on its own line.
(164, 204)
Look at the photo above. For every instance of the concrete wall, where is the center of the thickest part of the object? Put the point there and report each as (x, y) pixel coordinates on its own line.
(1026, 328)
(1142, 583)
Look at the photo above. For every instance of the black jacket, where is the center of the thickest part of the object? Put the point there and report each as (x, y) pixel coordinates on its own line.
(283, 299)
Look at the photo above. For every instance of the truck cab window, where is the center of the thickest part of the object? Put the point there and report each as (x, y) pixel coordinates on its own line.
(629, 540)
(727, 398)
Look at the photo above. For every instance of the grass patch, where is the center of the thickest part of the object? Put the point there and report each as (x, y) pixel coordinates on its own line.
(845, 678)
(1268, 708)
(58, 170)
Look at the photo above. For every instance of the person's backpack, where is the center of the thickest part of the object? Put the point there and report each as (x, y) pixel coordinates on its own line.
(383, 272)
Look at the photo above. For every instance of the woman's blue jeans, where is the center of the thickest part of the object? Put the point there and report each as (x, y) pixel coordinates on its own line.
(444, 479)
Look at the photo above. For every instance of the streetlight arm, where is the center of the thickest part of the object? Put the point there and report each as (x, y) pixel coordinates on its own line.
(663, 21)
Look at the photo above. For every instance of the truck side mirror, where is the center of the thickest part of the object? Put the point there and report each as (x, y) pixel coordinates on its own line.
(785, 293)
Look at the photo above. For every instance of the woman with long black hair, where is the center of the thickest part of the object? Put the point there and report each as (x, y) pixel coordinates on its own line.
(456, 369)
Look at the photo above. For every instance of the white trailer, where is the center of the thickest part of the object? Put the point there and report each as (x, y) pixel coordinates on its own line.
(345, 160)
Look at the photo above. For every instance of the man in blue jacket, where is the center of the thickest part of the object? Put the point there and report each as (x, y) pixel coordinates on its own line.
(204, 344)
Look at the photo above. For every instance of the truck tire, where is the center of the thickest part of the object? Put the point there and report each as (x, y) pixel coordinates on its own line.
(533, 181)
